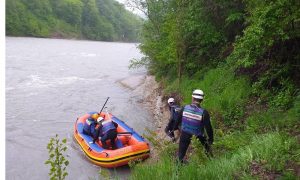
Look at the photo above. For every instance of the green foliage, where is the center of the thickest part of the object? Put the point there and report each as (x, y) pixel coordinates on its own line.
(275, 88)
(244, 55)
(185, 36)
(23, 22)
(158, 144)
(231, 141)
(137, 63)
(92, 19)
(233, 115)
(104, 174)
(276, 120)
(57, 160)
(283, 99)
(70, 11)
(165, 169)
(269, 22)
(273, 149)
(225, 95)
(198, 153)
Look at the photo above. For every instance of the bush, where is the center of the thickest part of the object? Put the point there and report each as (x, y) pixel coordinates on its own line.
(57, 159)
(273, 149)
(274, 119)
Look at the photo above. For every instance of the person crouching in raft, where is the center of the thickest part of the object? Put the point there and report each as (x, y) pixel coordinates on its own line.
(89, 127)
(107, 131)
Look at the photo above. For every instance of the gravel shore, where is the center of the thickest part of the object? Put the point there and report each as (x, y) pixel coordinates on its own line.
(151, 96)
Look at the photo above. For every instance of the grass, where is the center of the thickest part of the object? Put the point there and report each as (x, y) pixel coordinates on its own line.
(272, 149)
(250, 142)
(225, 94)
(276, 120)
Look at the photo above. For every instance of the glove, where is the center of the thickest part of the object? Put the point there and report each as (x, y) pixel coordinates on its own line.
(173, 139)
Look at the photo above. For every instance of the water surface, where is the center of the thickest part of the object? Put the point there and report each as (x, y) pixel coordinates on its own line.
(51, 82)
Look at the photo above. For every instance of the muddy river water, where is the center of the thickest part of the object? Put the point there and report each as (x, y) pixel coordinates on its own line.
(51, 82)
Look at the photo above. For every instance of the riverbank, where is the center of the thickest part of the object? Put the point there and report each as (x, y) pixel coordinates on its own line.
(153, 99)
(151, 96)
(248, 144)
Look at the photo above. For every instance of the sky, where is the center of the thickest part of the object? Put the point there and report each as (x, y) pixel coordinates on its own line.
(135, 11)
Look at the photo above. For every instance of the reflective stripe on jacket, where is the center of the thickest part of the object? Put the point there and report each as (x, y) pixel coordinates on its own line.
(192, 120)
(106, 126)
(89, 126)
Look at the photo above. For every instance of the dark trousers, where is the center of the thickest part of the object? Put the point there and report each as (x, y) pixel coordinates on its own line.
(170, 128)
(110, 135)
(184, 142)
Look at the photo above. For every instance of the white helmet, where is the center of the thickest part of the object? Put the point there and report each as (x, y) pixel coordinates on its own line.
(100, 119)
(171, 100)
(198, 94)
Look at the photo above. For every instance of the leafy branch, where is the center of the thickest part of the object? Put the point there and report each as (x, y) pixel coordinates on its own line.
(57, 160)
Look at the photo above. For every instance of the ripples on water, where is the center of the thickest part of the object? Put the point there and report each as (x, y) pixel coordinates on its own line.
(49, 83)
(35, 81)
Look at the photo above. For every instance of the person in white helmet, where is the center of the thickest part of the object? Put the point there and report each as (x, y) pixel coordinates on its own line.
(195, 120)
(107, 131)
(174, 118)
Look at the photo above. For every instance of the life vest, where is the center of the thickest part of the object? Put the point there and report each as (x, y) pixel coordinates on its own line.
(87, 125)
(106, 126)
(192, 120)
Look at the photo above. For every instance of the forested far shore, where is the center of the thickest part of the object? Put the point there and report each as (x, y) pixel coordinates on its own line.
(105, 20)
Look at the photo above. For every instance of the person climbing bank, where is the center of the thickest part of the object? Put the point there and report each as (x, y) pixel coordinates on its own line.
(194, 121)
(89, 127)
(107, 131)
(173, 123)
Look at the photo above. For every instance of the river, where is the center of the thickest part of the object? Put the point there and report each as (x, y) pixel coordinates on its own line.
(51, 82)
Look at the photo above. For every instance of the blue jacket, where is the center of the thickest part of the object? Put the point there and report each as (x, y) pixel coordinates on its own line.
(89, 127)
(175, 111)
(195, 120)
(106, 126)
(192, 120)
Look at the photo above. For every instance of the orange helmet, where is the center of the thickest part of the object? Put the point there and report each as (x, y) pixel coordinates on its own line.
(95, 116)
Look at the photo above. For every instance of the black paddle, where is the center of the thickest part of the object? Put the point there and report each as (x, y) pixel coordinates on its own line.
(119, 133)
(104, 105)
